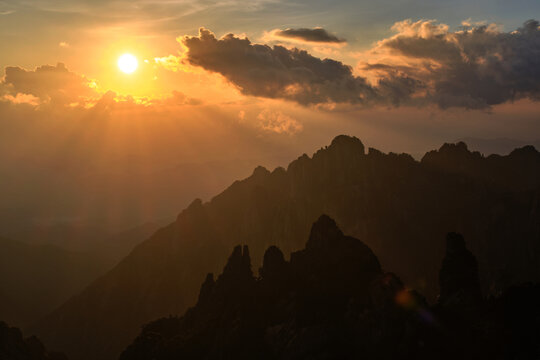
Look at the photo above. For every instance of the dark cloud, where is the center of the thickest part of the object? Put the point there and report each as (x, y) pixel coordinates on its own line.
(475, 67)
(278, 72)
(424, 63)
(318, 35)
(48, 83)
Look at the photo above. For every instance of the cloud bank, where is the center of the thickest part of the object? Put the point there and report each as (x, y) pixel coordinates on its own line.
(424, 63)
(55, 84)
(316, 35)
(281, 73)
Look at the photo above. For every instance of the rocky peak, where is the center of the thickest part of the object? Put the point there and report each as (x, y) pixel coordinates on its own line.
(194, 211)
(274, 264)
(239, 264)
(206, 289)
(260, 171)
(525, 152)
(458, 277)
(333, 262)
(347, 143)
(450, 153)
(323, 233)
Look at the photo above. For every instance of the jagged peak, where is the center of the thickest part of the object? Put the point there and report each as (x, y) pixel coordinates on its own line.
(195, 204)
(525, 151)
(347, 141)
(260, 171)
(279, 170)
(195, 209)
(206, 288)
(323, 232)
(300, 161)
(374, 152)
(273, 262)
(458, 277)
(454, 151)
(239, 262)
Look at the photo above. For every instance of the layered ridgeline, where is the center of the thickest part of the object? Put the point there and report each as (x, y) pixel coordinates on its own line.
(399, 207)
(13, 346)
(42, 270)
(36, 279)
(333, 301)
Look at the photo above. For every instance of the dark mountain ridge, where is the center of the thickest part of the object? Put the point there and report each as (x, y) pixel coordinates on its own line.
(332, 300)
(398, 206)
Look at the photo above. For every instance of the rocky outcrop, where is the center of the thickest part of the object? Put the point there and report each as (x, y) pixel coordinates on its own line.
(327, 302)
(333, 301)
(458, 277)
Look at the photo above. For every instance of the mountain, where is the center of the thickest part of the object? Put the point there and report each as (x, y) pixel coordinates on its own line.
(13, 346)
(109, 247)
(501, 146)
(399, 207)
(115, 247)
(35, 279)
(333, 301)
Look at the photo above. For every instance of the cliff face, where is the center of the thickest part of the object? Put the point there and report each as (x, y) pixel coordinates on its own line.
(332, 301)
(397, 206)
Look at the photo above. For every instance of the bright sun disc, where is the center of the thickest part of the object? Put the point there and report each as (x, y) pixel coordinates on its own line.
(128, 63)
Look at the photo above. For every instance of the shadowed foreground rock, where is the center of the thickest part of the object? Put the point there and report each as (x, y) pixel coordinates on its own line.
(333, 301)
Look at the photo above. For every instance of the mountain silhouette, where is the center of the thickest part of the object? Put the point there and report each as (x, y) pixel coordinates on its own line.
(13, 346)
(501, 146)
(333, 301)
(399, 207)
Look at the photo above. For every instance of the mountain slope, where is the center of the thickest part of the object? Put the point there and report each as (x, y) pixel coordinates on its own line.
(37, 277)
(398, 206)
(34, 279)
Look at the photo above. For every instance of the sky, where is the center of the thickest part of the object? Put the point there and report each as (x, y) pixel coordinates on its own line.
(224, 86)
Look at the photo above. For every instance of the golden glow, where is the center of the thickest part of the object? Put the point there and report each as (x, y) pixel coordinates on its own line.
(127, 63)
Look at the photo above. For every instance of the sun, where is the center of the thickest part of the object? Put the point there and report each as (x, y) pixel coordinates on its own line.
(127, 63)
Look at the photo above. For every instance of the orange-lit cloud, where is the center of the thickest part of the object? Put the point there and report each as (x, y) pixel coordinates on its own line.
(278, 122)
(49, 84)
(423, 64)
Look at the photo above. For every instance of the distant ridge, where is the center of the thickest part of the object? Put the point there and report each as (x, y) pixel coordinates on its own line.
(499, 146)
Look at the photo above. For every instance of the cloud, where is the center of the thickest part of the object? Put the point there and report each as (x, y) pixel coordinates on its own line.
(21, 99)
(47, 83)
(278, 122)
(316, 35)
(476, 67)
(424, 63)
(278, 72)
